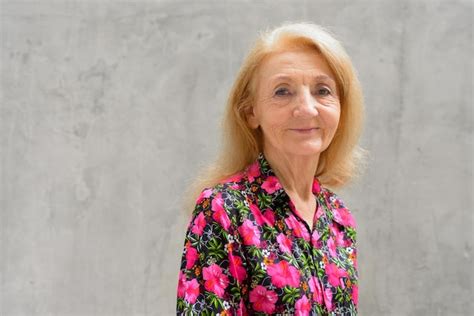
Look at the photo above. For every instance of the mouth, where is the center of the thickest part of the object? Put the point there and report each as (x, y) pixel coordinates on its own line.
(305, 130)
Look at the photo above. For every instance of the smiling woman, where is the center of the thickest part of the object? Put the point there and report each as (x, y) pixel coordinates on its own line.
(267, 235)
(297, 106)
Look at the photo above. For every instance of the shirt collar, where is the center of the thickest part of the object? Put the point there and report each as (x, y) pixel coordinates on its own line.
(269, 181)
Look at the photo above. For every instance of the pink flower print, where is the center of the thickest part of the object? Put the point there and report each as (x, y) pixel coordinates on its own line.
(216, 281)
(181, 284)
(191, 256)
(355, 294)
(236, 268)
(315, 239)
(220, 215)
(233, 178)
(334, 274)
(242, 309)
(261, 219)
(328, 299)
(235, 186)
(263, 300)
(198, 224)
(338, 235)
(319, 211)
(316, 186)
(257, 214)
(315, 287)
(332, 247)
(253, 171)
(283, 274)
(191, 290)
(284, 243)
(298, 229)
(302, 306)
(204, 195)
(271, 184)
(269, 217)
(250, 233)
(343, 217)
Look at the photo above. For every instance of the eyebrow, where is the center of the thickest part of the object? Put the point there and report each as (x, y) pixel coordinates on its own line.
(317, 77)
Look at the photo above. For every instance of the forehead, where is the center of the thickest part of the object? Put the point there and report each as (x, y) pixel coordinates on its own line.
(299, 64)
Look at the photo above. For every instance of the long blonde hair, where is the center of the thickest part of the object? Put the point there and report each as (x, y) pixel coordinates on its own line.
(340, 162)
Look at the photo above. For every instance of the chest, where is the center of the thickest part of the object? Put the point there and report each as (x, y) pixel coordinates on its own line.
(292, 261)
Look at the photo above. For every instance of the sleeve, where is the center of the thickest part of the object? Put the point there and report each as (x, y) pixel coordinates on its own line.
(346, 239)
(213, 271)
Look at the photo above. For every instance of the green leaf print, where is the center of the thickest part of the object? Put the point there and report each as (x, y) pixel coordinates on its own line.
(264, 201)
(269, 232)
(351, 233)
(215, 249)
(243, 209)
(291, 294)
(255, 251)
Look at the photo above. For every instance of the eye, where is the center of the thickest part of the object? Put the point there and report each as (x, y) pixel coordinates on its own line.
(282, 92)
(324, 91)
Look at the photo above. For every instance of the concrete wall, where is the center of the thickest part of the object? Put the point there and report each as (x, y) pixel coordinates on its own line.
(108, 108)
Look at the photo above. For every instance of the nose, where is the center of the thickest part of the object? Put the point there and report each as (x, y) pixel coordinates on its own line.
(306, 104)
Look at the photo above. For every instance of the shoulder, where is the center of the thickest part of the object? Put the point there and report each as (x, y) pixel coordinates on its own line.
(340, 213)
(221, 203)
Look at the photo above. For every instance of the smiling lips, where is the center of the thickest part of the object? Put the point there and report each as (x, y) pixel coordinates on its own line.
(305, 130)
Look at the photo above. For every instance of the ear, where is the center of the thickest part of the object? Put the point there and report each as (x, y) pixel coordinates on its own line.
(251, 117)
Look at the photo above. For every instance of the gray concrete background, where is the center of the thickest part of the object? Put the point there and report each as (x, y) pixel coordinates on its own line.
(108, 108)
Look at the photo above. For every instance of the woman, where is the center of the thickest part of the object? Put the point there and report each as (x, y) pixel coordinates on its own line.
(267, 235)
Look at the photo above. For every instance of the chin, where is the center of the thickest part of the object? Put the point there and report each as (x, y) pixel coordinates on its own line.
(305, 150)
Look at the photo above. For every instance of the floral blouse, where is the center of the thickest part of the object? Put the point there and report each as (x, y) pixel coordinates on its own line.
(247, 251)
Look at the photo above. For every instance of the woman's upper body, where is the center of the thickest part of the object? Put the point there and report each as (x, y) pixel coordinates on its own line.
(271, 239)
(248, 251)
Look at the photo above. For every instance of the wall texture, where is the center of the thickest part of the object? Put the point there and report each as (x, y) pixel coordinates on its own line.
(108, 108)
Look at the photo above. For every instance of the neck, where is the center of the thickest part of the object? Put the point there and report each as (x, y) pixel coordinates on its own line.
(295, 173)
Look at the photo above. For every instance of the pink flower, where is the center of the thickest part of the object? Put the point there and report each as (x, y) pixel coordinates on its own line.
(204, 195)
(284, 243)
(319, 211)
(220, 215)
(332, 247)
(191, 256)
(302, 306)
(316, 186)
(315, 287)
(271, 184)
(268, 218)
(343, 217)
(283, 274)
(250, 233)
(328, 299)
(242, 309)
(298, 229)
(198, 224)
(233, 178)
(236, 268)
(181, 284)
(216, 281)
(191, 290)
(315, 239)
(355, 294)
(338, 235)
(334, 274)
(253, 171)
(263, 300)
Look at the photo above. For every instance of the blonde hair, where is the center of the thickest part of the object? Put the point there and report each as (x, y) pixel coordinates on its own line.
(340, 162)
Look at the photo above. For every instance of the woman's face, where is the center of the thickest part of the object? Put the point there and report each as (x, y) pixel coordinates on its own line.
(297, 104)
